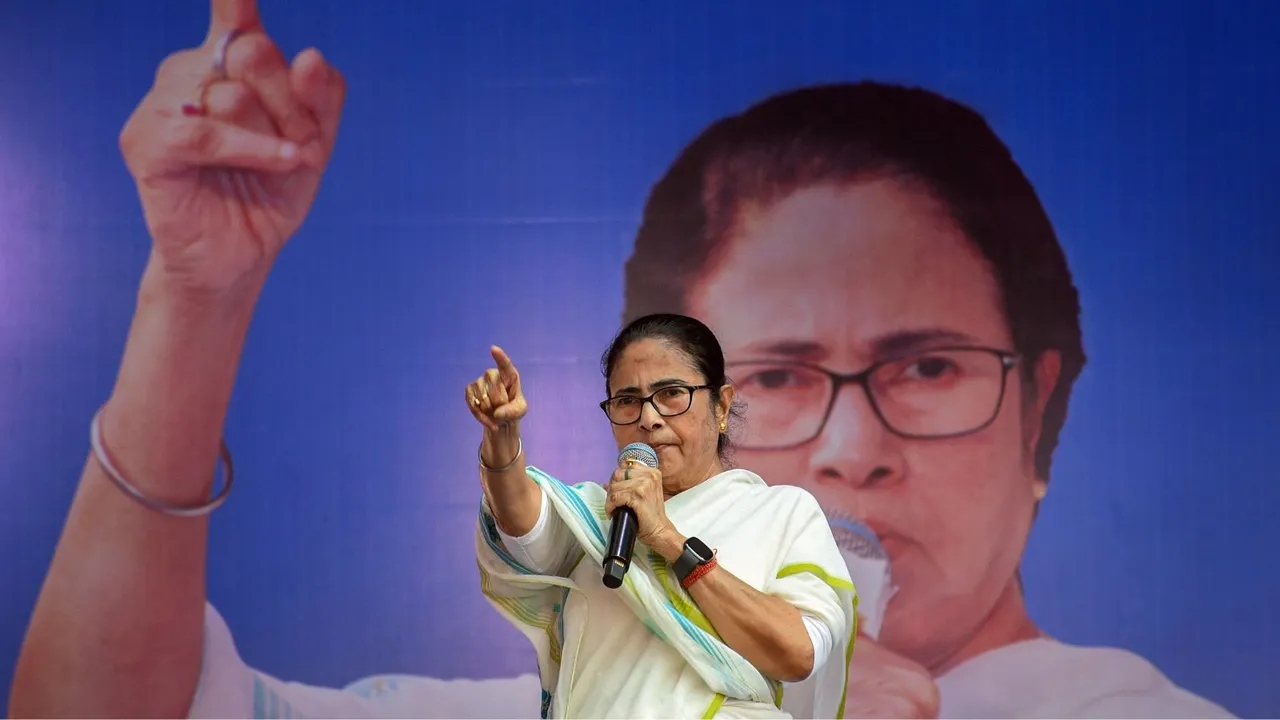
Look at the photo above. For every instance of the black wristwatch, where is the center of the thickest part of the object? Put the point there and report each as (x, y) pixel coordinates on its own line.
(695, 555)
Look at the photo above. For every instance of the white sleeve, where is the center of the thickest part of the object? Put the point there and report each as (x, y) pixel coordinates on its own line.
(820, 636)
(547, 547)
(819, 607)
(228, 688)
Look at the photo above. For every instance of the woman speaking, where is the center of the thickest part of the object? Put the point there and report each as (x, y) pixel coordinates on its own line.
(735, 586)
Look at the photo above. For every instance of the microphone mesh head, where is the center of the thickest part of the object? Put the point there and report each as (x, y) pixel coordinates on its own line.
(855, 537)
(639, 452)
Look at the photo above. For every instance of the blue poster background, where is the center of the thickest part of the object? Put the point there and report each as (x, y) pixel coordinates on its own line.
(487, 186)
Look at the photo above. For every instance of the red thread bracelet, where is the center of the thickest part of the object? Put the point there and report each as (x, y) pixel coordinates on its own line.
(698, 572)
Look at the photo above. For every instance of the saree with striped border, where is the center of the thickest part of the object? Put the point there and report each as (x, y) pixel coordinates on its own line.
(774, 538)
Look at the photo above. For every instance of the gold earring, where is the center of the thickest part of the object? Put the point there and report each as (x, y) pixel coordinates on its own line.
(723, 425)
(1040, 489)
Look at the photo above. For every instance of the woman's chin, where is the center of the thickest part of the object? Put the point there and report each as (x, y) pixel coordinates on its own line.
(905, 625)
(668, 457)
(907, 635)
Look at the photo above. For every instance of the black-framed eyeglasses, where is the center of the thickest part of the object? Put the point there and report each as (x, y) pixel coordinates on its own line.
(929, 394)
(669, 401)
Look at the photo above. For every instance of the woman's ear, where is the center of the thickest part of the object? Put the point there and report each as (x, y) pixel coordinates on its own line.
(1044, 380)
(725, 404)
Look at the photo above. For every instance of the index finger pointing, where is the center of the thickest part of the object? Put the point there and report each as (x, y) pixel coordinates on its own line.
(505, 366)
(228, 15)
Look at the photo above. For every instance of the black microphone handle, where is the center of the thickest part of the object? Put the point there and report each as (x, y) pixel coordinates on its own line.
(622, 542)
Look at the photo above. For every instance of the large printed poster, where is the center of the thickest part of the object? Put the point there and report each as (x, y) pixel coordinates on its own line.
(996, 280)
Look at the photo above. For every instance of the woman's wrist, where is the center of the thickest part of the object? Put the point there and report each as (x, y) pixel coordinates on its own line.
(502, 447)
(163, 420)
(668, 543)
(234, 304)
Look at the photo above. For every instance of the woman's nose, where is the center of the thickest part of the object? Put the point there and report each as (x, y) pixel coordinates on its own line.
(650, 418)
(854, 446)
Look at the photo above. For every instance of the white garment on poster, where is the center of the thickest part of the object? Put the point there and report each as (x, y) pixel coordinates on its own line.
(1048, 679)
(1033, 679)
(229, 688)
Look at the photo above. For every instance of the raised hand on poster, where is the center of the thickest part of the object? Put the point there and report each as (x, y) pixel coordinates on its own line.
(227, 150)
(883, 684)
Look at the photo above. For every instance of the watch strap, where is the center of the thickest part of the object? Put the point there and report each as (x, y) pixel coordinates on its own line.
(696, 554)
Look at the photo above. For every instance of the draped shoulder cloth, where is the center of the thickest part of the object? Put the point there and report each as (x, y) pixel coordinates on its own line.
(774, 538)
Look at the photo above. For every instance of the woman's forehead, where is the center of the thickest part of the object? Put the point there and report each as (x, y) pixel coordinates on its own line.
(650, 364)
(845, 267)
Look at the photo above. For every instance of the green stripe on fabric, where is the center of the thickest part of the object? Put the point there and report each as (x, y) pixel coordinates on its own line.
(525, 615)
(678, 597)
(799, 568)
(714, 707)
(836, 584)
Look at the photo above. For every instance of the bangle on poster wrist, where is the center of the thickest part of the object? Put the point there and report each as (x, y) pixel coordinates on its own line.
(108, 466)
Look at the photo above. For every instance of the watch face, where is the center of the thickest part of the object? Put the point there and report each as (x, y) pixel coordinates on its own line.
(700, 549)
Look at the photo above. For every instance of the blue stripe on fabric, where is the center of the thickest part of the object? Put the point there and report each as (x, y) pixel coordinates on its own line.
(573, 499)
(267, 703)
(259, 698)
(697, 635)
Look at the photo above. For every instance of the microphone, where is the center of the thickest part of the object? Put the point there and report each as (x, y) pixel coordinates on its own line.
(869, 569)
(622, 537)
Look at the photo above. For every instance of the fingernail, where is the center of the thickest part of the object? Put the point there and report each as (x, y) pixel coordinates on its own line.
(191, 110)
(324, 63)
(288, 151)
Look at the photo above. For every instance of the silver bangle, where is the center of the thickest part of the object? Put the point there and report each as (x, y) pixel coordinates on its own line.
(109, 467)
(504, 468)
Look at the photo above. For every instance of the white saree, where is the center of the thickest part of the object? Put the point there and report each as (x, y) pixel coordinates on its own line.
(645, 650)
